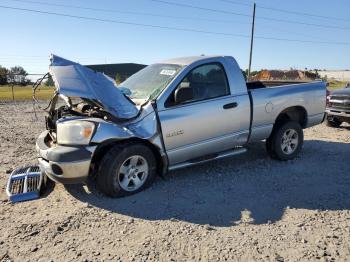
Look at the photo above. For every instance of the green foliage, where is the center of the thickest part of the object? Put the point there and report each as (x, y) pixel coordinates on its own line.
(317, 74)
(49, 81)
(17, 76)
(118, 78)
(3, 75)
(252, 73)
(335, 84)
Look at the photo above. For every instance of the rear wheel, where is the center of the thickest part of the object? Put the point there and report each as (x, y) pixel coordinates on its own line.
(126, 169)
(333, 122)
(286, 141)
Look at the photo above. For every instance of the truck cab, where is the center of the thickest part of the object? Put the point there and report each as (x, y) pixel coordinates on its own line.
(197, 124)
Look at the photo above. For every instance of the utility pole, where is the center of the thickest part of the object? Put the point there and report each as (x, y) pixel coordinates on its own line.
(251, 43)
(13, 94)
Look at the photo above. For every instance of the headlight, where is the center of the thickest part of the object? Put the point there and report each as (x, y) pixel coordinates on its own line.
(75, 132)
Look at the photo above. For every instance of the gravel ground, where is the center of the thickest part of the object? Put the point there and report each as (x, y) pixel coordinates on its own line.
(245, 208)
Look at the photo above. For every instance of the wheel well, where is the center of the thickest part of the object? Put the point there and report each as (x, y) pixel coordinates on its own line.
(103, 148)
(295, 113)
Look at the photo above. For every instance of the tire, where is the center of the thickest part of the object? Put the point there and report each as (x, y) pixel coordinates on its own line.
(333, 122)
(285, 142)
(126, 169)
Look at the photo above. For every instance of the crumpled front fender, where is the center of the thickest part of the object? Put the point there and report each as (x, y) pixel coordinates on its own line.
(108, 131)
(145, 127)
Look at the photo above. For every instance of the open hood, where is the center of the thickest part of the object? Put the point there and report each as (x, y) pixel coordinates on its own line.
(74, 80)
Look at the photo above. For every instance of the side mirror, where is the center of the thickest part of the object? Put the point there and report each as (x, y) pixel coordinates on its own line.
(183, 93)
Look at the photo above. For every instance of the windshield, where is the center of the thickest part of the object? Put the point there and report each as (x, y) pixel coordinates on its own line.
(149, 82)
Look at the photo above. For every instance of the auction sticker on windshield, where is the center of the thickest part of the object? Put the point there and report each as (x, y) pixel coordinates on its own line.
(168, 72)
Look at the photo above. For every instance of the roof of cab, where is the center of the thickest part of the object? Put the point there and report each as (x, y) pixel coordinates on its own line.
(188, 59)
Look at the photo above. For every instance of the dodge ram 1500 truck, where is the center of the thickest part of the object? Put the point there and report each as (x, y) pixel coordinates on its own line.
(169, 115)
(338, 107)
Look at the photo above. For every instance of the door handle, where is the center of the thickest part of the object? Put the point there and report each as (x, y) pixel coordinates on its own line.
(230, 105)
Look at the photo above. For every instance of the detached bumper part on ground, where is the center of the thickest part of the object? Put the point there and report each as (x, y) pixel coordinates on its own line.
(62, 163)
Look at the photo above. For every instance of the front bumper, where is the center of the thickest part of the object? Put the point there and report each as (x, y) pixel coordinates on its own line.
(64, 164)
(342, 114)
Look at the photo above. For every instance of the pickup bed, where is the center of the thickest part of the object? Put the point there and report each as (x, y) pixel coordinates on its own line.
(170, 115)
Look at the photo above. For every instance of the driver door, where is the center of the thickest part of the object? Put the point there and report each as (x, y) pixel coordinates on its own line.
(206, 123)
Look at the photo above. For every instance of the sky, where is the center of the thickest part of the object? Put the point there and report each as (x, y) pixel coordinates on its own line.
(28, 38)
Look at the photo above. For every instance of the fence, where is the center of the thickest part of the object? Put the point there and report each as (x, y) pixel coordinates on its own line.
(15, 92)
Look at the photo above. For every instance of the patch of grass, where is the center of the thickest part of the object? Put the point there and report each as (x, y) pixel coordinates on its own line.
(335, 84)
(24, 92)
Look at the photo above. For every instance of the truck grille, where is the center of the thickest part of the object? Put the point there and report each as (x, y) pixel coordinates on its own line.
(339, 102)
(24, 183)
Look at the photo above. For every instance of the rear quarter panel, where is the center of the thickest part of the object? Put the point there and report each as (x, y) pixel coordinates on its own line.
(268, 103)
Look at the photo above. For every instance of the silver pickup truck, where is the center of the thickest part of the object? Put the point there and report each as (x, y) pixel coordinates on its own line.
(170, 115)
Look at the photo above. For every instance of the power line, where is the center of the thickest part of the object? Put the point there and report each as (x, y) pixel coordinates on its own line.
(29, 56)
(31, 74)
(303, 23)
(246, 15)
(121, 22)
(170, 28)
(236, 3)
(303, 14)
(128, 12)
(159, 15)
(39, 59)
(200, 8)
(287, 11)
(178, 4)
(288, 31)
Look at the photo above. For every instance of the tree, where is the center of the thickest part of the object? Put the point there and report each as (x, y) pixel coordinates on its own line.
(49, 81)
(317, 73)
(17, 75)
(118, 78)
(252, 73)
(3, 75)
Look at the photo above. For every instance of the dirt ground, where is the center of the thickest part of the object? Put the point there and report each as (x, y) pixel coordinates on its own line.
(247, 208)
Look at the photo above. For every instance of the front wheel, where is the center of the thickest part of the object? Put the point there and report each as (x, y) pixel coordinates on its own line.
(333, 122)
(286, 141)
(126, 169)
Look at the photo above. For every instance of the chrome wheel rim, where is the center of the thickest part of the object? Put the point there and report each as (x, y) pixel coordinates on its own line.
(133, 173)
(290, 141)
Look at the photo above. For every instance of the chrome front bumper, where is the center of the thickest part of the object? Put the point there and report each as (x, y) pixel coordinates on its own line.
(338, 112)
(64, 164)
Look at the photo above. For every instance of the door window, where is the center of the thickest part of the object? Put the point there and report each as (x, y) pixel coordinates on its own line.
(207, 81)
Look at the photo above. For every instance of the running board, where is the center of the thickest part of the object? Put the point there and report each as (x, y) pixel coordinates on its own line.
(220, 155)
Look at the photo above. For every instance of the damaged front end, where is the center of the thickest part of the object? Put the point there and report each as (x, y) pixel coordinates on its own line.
(86, 93)
(88, 112)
